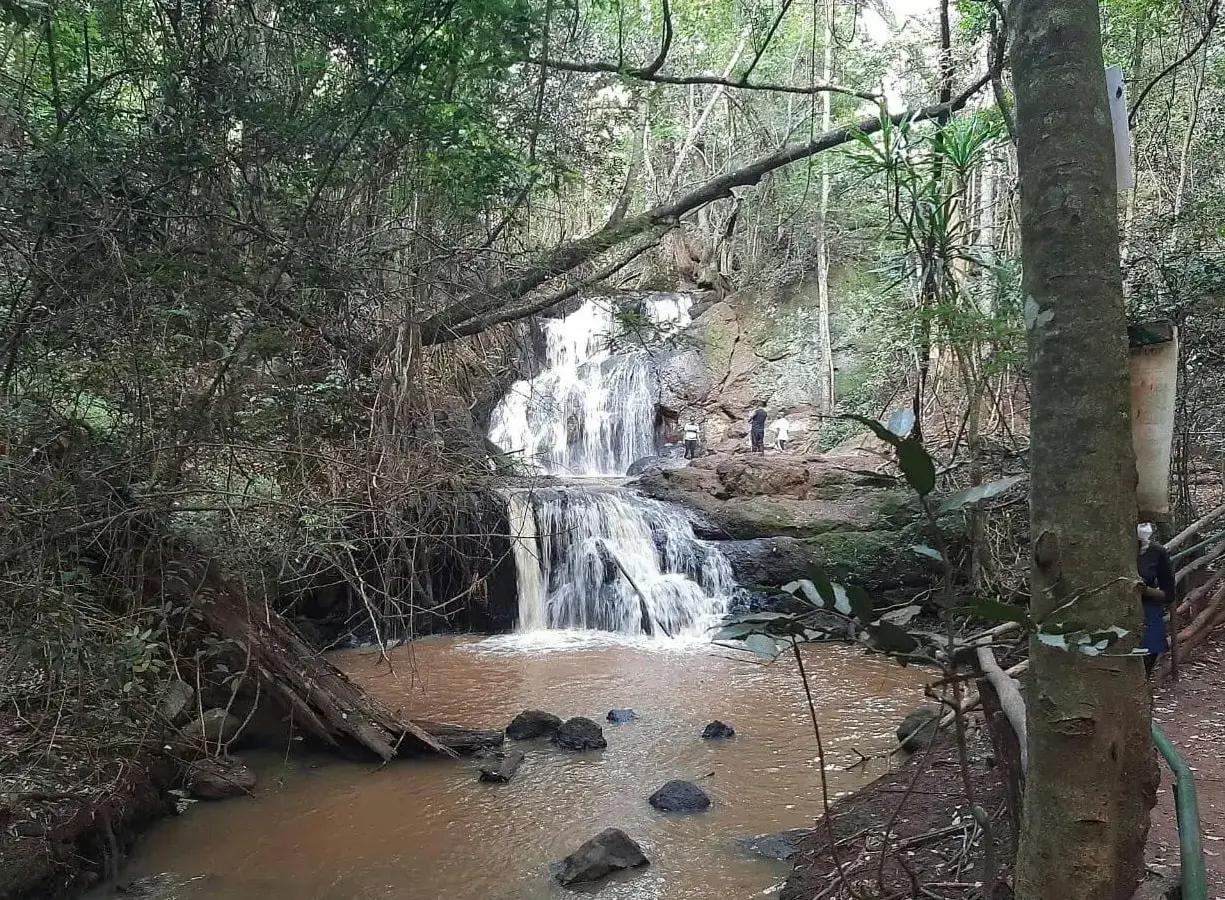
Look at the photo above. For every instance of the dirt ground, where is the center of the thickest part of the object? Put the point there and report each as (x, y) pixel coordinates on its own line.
(1192, 714)
(934, 848)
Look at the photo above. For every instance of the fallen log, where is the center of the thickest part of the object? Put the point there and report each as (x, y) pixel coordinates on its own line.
(1194, 529)
(1008, 695)
(321, 699)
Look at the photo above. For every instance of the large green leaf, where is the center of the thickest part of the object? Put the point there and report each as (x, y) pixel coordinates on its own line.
(917, 466)
(881, 431)
(892, 638)
(996, 611)
(982, 492)
(862, 604)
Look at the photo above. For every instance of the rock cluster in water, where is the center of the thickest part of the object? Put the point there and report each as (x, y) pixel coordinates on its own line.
(531, 724)
(500, 767)
(609, 851)
(580, 734)
(680, 797)
(718, 731)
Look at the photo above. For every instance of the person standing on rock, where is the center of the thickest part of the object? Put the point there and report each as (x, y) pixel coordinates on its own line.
(757, 430)
(1160, 587)
(691, 439)
(782, 432)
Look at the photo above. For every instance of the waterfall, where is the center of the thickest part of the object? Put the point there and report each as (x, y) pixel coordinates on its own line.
(596, 548)
(591, 411)
(590, 556)
(530, 572)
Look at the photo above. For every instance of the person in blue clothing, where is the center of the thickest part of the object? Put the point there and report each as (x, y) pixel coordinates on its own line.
(1160, 589)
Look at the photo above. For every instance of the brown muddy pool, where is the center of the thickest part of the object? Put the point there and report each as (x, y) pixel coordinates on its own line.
(319, 829)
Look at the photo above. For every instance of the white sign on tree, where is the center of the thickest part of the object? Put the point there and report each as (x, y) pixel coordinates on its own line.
(1116, 93)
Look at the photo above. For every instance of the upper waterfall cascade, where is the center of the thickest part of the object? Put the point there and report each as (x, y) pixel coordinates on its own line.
(590, 555)
(591, 411)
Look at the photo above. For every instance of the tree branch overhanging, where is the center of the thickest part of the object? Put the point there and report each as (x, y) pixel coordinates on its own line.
(740, 83)
(458, 318)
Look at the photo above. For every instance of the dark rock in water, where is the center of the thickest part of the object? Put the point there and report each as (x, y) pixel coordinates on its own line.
(219, 779)
(680, 796)
(718, 731)
(609, 851)
(621, 716)
(782, 846)
(580, 734)
(500, 768)
(531, 724)
(918, 729)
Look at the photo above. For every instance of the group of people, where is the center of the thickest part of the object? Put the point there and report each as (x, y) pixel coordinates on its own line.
(757, 433)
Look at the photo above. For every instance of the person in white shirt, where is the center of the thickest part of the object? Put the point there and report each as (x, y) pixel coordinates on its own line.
(691, 439)
(782, 431)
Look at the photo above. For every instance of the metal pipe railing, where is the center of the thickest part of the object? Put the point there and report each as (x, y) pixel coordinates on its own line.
(1186, 806)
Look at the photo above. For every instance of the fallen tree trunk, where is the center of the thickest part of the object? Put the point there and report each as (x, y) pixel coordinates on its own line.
(1194, 529)
(321, 699)
(1010, 701)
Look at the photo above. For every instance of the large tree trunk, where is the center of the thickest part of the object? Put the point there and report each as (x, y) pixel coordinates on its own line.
(1092, 773)
(825, 348)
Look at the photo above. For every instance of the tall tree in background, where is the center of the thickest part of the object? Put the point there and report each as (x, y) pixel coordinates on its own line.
(1092, 775)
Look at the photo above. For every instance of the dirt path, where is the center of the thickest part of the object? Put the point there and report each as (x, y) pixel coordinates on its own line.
(1192, 713)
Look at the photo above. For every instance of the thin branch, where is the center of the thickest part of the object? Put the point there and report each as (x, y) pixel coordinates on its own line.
(740, 84)
(665, 46)
(765, 45)
(1214, 15)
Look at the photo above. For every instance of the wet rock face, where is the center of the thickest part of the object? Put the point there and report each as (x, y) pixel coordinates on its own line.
(718, 731)
(531, 724)
(580, 734)
(680, 797)
(609, 851)
(782, 846)
(219, 779)
(918, 729)
(215, 726)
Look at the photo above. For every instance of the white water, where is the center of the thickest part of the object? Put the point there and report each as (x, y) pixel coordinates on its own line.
(593, 551)
(591, 411)
(590, 556)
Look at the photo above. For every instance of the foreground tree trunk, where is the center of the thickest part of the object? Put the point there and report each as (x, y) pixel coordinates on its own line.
(1092, 771)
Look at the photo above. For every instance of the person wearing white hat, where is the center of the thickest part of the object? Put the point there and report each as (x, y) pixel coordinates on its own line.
(1160, 588)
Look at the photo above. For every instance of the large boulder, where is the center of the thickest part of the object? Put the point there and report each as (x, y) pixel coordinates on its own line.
(918, 729)
(219, 779)
(609, 851)
(680, 797)
(580, 734)
(214, 726)
(531, 724)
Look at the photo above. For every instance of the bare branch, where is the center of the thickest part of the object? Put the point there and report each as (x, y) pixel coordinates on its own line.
(446, 324)
(740, 84)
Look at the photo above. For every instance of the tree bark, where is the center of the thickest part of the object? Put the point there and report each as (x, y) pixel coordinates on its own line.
(1092, 772)
(825, 346)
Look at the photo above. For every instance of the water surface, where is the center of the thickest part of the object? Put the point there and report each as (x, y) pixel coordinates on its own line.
(422, 829)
